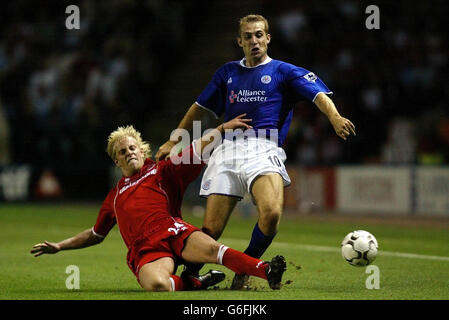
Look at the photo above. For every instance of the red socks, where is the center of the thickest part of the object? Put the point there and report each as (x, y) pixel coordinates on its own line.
(241, 263)
(179, 284)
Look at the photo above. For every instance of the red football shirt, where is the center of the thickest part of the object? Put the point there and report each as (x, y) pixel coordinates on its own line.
(137, 202)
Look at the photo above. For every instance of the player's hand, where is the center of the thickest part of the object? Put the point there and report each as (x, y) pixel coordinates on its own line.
(164, 151)
(238, 122)
(46, 247)
(343, 127)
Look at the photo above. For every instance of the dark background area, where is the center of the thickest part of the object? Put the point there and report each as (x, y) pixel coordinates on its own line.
(145, 62)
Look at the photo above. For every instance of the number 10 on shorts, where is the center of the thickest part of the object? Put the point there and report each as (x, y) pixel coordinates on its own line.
(275, 161)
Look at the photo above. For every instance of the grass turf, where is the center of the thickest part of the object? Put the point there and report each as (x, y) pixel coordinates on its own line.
(315, 270)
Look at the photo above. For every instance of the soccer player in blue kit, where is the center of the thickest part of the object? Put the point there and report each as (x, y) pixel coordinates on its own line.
(266, 90)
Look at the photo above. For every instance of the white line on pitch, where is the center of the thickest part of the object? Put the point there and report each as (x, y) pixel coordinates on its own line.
(311, 247)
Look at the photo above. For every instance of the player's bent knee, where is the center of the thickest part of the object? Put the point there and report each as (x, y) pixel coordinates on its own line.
(155, 284)
(271, 215)
(269, 220)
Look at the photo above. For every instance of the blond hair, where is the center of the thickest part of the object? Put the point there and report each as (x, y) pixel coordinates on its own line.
(123, 132)
(253, 18)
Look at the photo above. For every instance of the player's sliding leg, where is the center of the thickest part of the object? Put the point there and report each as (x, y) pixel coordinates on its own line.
(202, 248)
(268, 193)
(218, 211)
(241, 263)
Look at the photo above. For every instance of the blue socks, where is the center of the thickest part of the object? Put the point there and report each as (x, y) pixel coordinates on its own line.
(259, 243)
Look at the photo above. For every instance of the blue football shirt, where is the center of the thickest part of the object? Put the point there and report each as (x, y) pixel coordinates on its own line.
(267, 93)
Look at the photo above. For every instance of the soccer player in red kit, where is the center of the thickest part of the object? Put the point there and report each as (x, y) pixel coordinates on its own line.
(146, 206)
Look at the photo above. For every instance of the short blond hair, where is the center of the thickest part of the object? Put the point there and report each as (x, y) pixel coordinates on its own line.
(253, 18)
(123, 132)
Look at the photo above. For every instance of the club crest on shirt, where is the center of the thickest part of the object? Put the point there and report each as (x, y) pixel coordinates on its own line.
(206, 185)
(265, 79)
(229, 80)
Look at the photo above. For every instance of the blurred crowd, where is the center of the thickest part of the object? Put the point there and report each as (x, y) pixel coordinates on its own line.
(390, 82)
(62, 92)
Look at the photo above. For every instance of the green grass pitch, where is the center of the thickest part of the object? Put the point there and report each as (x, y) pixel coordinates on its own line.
(413, 261)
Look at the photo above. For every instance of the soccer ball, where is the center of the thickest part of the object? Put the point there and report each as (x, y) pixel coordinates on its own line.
(359, 248)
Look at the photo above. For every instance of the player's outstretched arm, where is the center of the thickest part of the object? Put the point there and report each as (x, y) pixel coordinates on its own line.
(194, 113)
(214, 136)
(81, 240)
(343, 127)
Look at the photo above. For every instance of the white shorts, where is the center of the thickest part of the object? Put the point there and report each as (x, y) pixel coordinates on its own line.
(234, 165)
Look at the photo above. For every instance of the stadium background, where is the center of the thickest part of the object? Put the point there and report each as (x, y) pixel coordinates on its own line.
(144, 62)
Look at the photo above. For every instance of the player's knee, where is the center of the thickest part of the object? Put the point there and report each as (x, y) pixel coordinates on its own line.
(271, 214)
(156, 284)
(270, 217)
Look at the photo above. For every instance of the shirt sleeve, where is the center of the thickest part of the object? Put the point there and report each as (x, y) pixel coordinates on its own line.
(305, 83)
(213, 97)
(106, 217)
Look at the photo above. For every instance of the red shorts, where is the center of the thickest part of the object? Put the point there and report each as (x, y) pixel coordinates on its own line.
(167, 240)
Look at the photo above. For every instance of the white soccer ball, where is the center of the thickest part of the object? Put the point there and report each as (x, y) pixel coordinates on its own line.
(359, 248)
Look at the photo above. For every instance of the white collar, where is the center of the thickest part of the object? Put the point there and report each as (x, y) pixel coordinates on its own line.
(267, 60)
